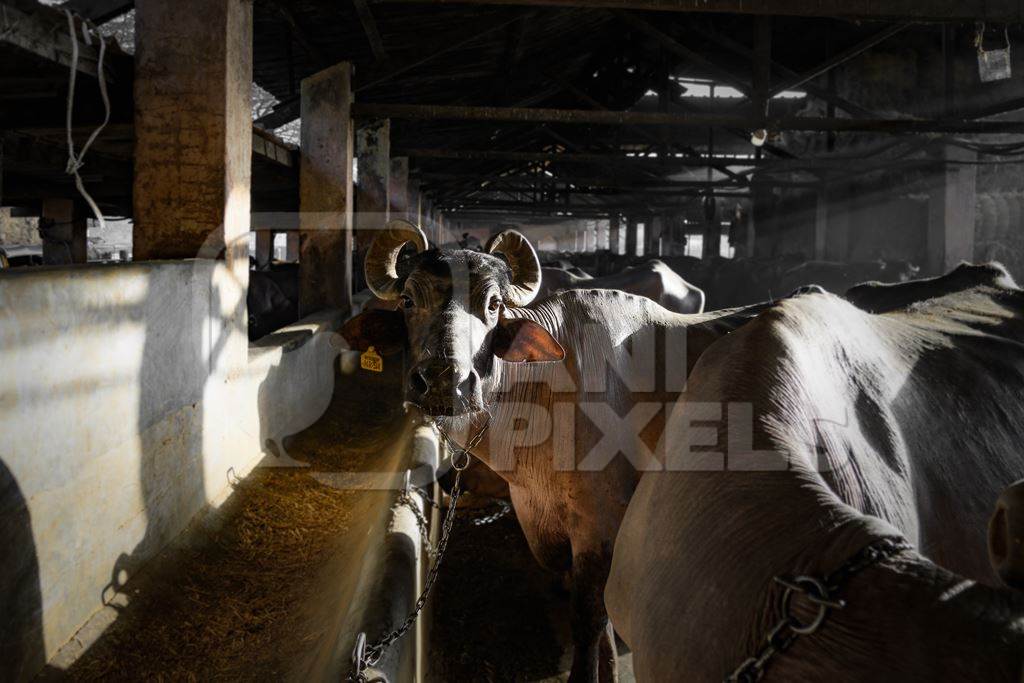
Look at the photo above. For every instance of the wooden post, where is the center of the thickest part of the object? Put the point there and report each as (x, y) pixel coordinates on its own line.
(193, 129)
(821, 224)
(398, 187)
(762, 219)
(712, 242)
(632, 226)
(415, 203)
(652, 235)
(264, 247)
(373, 152)
(291, 246)
(64, 233)
(614, 226)
(325, 191)
(951, 212)
(840, 213)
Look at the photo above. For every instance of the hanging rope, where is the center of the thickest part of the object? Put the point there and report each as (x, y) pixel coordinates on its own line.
(76, 161)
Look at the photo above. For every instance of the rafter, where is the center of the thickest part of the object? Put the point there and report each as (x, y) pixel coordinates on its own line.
(370, 29)
(1002, 11)
(839, 59)
(571, 157)
(440, 45)
(99, 11)
(519, 115)
(300, 35)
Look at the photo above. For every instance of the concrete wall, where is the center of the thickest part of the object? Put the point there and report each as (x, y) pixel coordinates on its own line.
(127, 404)
(18, 230)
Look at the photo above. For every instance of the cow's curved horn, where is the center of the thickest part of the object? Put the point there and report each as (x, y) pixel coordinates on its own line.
(1006, 536)
(381, 263)
(524, 263)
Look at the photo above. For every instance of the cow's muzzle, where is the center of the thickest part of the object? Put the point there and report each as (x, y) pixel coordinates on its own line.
(445, 389)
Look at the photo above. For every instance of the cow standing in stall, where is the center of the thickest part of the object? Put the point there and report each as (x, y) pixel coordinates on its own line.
(865, 427)
(572, 389)
(652, 280)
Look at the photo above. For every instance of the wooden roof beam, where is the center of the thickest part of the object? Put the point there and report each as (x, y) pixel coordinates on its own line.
(99, 11)
(45, 38)
(570, 157)
(612, 207)
(371, 30)
(839, 59)
(999, 11)
(452, 40)
(520, 115)
(300, 35)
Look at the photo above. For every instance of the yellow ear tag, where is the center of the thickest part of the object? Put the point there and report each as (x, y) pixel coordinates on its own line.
(371, 360)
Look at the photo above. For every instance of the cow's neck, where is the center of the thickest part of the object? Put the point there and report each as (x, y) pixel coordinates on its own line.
(531, 404)
(932, 624)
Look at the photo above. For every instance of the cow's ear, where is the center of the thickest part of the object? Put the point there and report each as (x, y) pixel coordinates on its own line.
(383, 330)
(524, 341)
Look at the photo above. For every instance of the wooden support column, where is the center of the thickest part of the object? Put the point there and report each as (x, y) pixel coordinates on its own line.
(840, 213)
(325, 191)
(614, 227)
(398, 192)
(63, 230)
(762, 210)
(373, 154)
(951, 212)
(652, 236)
(264, 248)
(587, 228)
(821, 225)
(291, 246)
(427, 220)
(415, 203)
(632, 227)
(711, 245)
(193, 129)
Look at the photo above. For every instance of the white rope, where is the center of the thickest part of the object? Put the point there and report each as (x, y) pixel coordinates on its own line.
(75, 162)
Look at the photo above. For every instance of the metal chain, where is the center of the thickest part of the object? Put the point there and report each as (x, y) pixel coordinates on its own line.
(821, 592)
(500, 507)
(364, 655)
(483, 515)
(405, 498)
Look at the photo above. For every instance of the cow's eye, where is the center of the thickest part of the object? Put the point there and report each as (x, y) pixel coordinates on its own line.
(493, 305)
(407, 301)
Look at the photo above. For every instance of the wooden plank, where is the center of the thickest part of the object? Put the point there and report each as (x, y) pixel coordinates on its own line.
(299, 34)
(1000, 11)
(519, 115)
(287, 110)
(824, 94)
(442, 44)
(569, 157)
(674, 47)
(841, 58)
(370, 29)
(45, 38)
(99, 11)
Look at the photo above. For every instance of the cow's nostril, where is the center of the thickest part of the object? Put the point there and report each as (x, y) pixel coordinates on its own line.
(419, 382)
(467, 387)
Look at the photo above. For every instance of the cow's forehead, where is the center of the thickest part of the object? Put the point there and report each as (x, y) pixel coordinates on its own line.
(439, 269)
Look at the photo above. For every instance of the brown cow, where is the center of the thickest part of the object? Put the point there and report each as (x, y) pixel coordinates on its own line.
(575, 387)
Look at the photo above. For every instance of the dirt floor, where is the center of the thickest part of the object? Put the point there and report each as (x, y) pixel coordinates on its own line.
(497, 615)
(229, 605)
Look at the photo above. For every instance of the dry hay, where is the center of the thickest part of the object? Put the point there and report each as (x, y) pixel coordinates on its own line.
(228, 608)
